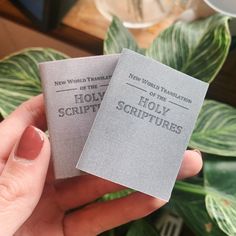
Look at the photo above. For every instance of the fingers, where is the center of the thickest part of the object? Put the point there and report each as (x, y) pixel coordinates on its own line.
(22, 180)
(80, 190)
(89, 187)
(191, 164)
(99, 217)
(29, 113)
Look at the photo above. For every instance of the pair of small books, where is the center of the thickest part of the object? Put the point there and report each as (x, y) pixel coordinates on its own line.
(125, 118)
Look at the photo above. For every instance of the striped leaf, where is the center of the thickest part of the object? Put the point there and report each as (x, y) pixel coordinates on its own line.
(209, 207)
(220, 175)
(118, 37)
(223, 211)
(19, 76)
(188, 200)
(196, 217)
(215, 130)
(198, 49)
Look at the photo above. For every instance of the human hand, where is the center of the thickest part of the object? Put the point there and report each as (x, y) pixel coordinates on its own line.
(33, 203)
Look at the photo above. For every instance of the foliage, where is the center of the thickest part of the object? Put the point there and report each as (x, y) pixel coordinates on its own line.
(19, 76)
(141, 227)
(198, 49)
(215, 131)
(219, 176)
(207, 204)
(187, 47)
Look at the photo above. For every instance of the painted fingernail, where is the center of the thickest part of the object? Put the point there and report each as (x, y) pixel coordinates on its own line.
(30, 145)
(198, 151)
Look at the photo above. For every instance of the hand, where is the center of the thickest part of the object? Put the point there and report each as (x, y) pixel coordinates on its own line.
(33, 203)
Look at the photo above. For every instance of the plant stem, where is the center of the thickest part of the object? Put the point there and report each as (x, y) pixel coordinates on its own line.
(191, 188)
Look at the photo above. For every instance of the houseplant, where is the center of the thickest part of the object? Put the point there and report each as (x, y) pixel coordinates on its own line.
(207, 203)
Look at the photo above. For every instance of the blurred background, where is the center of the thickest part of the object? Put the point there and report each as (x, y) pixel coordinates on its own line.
(79, 27)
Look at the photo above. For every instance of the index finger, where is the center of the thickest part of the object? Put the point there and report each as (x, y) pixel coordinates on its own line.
(28, 113)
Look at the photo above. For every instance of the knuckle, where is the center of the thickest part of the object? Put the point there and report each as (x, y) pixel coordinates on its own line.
(92, 227)
(82, 225)
(67, 224)
(98, 227)
(33, 111)
(10, 191)
(70, 227)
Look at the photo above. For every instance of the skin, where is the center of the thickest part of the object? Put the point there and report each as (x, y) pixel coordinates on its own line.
(33, 203)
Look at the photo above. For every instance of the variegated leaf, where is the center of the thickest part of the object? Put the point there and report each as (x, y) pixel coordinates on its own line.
(215, 130)
(219, 177)
(188, 199)
(198, 48)
(118, 37)
(222, 209)
(19, 76)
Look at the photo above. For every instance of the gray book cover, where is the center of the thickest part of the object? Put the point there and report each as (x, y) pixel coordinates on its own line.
(143, 126)
(73, 90)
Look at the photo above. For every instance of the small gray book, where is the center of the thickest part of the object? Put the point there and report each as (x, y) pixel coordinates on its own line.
(143, 126)
(73, 90)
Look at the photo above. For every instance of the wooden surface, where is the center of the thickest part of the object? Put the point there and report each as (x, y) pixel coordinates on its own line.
(85, 17)
(27, 37)
(85, 28)
(65, 33)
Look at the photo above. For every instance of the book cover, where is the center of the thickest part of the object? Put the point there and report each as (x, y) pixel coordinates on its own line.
(73, 90)
(143, 125)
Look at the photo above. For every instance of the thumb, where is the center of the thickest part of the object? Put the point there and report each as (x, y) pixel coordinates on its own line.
(22, 180)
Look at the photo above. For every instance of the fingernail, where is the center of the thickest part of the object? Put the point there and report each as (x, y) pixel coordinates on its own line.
(30, 145)
(198, 151)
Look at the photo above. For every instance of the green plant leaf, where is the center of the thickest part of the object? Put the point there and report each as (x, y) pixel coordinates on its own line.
(196, 217)
(198, 49)
(188, 200)
(223, 210)
(141, 228)
(19, 76)
(220, 175)
(215, 130)
(217, 215)
(118, 37)
(112, 196)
